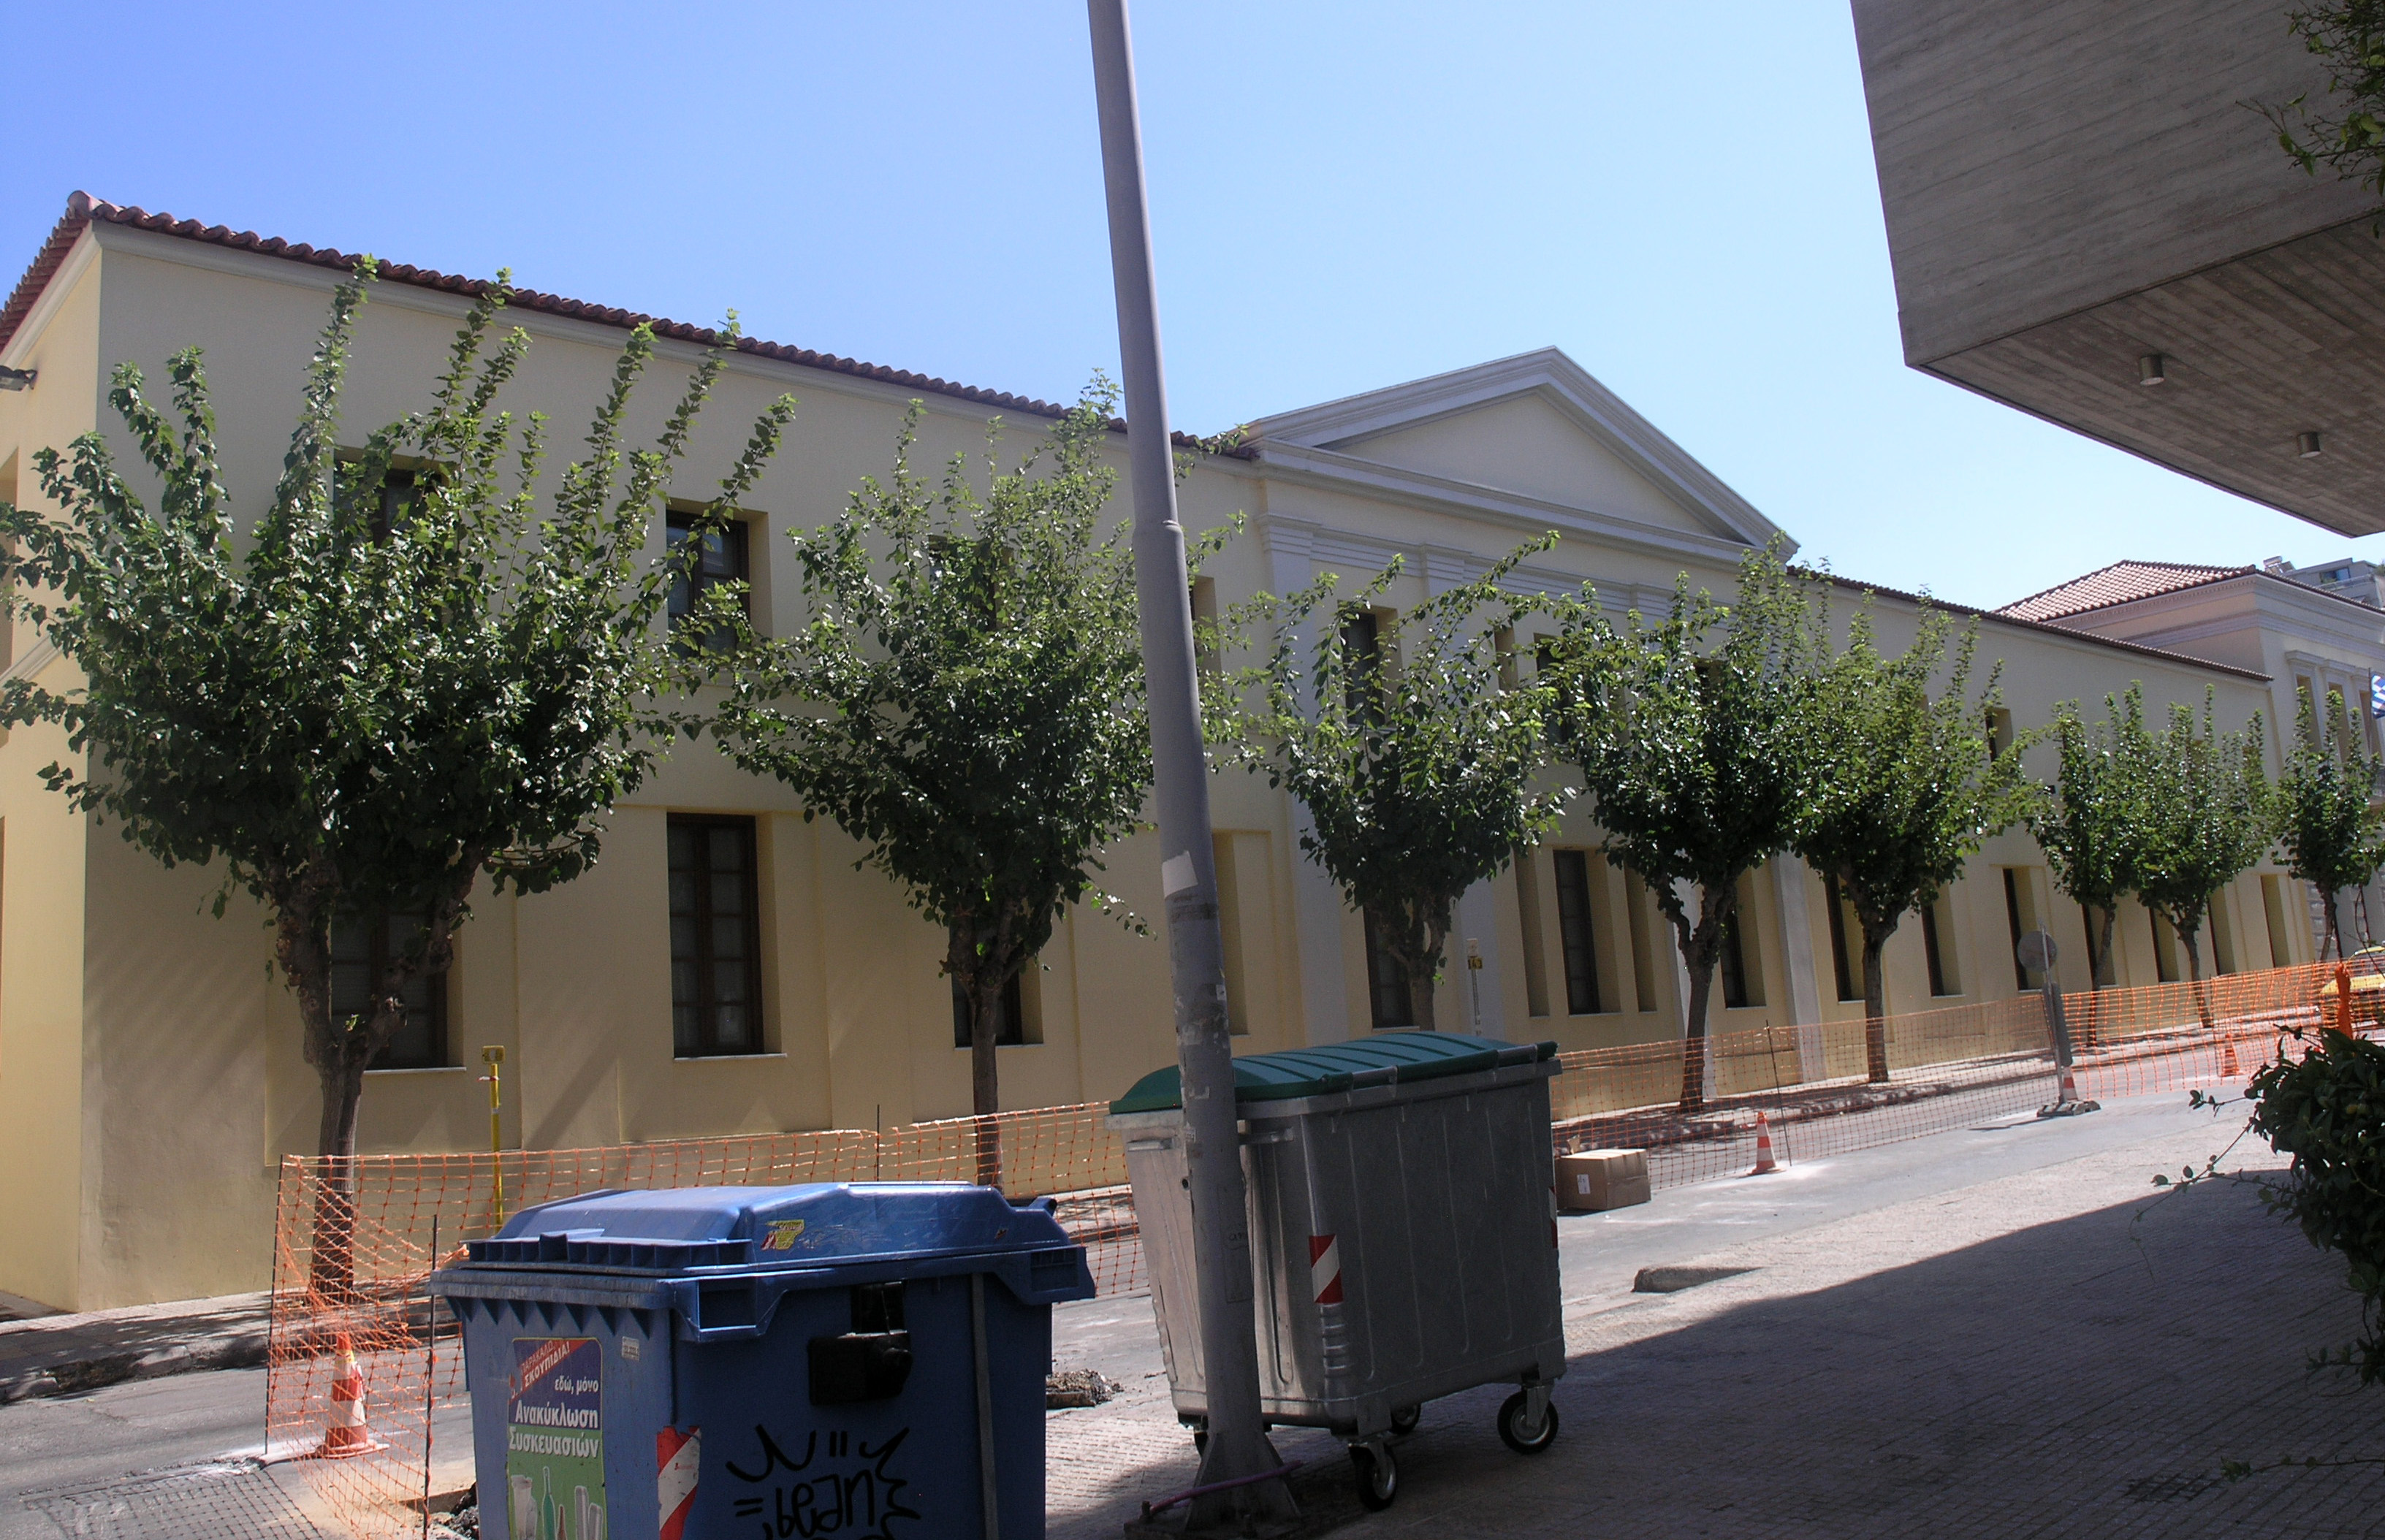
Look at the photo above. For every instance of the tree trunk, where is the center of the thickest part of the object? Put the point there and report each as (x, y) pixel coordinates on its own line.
(977, 975)
(2187, 938)
(2099, 946)
(1701, 948)
(331, 1262)
(1419, 964)
(1875, 1004)
(2334, 929)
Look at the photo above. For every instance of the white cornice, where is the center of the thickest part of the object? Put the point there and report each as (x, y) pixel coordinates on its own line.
(1354, 556)
(54, 295)
(1555, 379)
(1332, 470)
(37, 657)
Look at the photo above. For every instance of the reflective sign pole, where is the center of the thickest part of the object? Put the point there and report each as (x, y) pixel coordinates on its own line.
(1238, 1447)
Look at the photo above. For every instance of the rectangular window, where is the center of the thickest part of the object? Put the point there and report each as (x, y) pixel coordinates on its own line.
(1009, 1030)
(1387, 992)
(2166, 968)
(1938, 947)
(716, 936)
(361, 949)
(2273, 910)
(1204, 597)
(2000, 731)
(2020, 918)
(1733, 966)
(1536, 947)
(1576, 930)
(1846, 964)
(1636, 904)
(720, 559)
(2223, 934)
(1362, 657)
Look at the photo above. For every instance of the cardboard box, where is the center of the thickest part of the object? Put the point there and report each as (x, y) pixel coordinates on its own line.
(1600, 1179)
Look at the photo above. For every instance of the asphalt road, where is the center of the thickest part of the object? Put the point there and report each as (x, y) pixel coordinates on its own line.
(62, 1441)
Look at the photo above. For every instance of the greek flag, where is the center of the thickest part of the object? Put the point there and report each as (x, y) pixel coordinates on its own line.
(2377, 695)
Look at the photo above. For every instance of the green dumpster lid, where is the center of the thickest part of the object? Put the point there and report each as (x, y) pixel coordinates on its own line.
(1406, 1056)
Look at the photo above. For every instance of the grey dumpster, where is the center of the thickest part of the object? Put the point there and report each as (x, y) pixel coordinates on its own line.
(1403, 1234)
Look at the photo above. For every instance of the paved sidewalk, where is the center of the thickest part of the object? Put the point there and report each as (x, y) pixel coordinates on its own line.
(2058, 1352)
(58, 1354)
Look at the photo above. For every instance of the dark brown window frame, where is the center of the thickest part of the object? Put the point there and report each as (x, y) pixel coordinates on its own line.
(1577, 931)
(707, 1041)
(1388, 995)
(1011, 1032)
(736, 537)
(435, 999)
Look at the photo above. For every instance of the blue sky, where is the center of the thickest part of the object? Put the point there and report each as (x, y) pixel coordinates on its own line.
(1344, 196)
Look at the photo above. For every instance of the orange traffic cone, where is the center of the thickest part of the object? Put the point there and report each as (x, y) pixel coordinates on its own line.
(2066, 1088)
(1764, 1161)
(345, 1433)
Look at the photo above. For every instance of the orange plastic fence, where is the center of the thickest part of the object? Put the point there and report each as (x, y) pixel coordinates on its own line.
(1946, 1069)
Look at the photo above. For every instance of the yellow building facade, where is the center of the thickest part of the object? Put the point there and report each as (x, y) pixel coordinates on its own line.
(150, 1073)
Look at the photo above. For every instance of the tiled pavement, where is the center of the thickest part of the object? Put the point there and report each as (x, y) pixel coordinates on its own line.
(2053, 1354)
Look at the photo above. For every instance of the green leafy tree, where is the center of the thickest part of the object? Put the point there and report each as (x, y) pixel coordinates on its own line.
(399, 683)
(1686, 731)
(2323, 1106)
(966, 700)
(2085, 820)
(2203, 812)
(1414, 750)
(2328, 821)
(2348, 135)
(1900, 788)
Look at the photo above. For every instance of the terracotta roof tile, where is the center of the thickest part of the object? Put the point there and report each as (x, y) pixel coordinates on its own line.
(2117, 584)
(2006, 617)
(81, 209)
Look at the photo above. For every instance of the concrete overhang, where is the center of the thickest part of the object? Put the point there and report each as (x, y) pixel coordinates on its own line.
(2071, 185)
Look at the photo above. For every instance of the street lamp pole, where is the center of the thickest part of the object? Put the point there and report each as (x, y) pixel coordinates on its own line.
(1238, 1447)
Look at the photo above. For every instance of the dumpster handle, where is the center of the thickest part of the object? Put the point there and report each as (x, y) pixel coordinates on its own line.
(988, 1486)
(1151, 1511)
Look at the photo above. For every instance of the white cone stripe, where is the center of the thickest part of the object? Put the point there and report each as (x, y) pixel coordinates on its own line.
(674, 1484)
(1326, 1269)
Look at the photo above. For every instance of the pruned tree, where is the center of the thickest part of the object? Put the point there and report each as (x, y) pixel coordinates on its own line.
(965, 699)
(397, 680)
(2085, 820)
(2347, 134)
(2329, 820)
(1900, 788)
(2202, 807)
(1413, 749)
(1686, 730)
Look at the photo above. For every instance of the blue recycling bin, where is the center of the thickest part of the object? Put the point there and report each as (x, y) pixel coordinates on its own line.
(859, 1359)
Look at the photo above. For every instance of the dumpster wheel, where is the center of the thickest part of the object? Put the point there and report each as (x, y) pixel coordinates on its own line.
(1378, 1475)
(1511, 1423)
(1404, 1419)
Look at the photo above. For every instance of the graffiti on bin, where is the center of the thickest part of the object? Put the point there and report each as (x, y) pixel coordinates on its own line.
(841, 1486)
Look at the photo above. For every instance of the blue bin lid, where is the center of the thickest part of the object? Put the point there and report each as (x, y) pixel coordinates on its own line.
(1396, 1058)
(760, 1229)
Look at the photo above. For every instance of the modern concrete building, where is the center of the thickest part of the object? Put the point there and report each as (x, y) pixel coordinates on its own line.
(150, 1074)
(2090, 219)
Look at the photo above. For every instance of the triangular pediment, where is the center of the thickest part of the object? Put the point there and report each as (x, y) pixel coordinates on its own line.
(1537, 428)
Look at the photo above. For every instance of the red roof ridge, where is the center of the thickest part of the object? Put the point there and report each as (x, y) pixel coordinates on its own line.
(82, 209)
(2117, 583)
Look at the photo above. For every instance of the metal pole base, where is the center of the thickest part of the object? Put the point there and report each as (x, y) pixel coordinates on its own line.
(2069, 1109)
